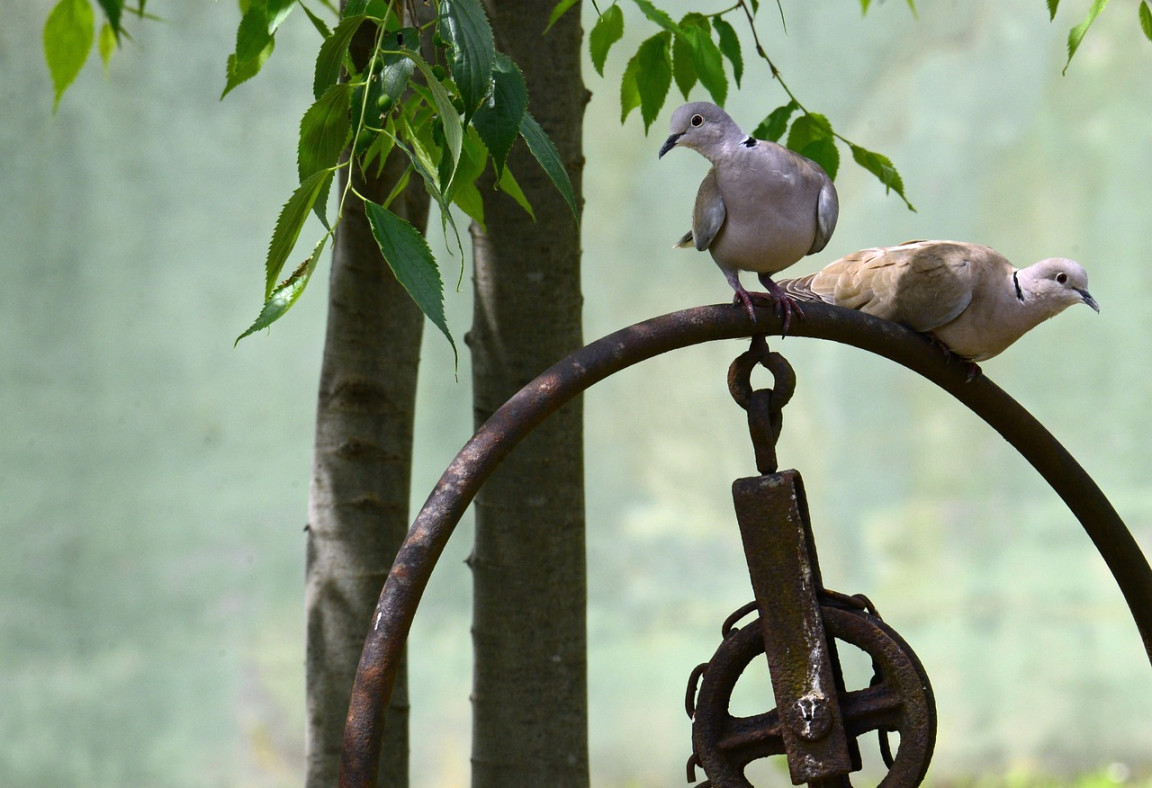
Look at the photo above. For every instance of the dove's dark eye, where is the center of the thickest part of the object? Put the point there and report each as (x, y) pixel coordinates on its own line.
(1061, 277)
(697, 120)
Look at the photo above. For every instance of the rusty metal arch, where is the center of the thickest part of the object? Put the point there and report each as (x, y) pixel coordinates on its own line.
(589, 365)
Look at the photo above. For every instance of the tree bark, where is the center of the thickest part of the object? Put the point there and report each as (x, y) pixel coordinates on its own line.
(358, 509)
(530, 714)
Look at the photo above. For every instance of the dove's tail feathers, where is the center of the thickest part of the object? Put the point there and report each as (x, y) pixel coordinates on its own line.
(685, 242)
(800, 288)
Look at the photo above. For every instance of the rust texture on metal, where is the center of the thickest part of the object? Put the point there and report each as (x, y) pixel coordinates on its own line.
(899, 701)
(776, 533)
(569, 377)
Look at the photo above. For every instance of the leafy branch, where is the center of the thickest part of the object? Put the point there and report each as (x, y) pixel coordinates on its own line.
(694, 51)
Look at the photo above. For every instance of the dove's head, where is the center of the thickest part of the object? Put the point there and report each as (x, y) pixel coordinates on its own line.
(702, 126)
(1057, 282)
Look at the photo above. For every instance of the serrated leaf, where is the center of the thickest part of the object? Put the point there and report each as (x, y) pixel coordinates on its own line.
(333, 50)
(540, 144)
(706, 56)
(397, 66)
(729, 44)
(289, 224)
(1076, 34)
(239, 73)
(773, 127)
(318, 23)
(808, 128)
(453, 128)
(277, 12)
(656, 15)
(377, 9)
(285, 294)
(68, 34)
(509, 186)
(464, 25)
(881, 166)
(609, 29)
(1052, 6)
(647, 78)
(324, 131)
(823, 151)
(498, 119)
(1146, 19)
(412, 262)
(683, 65)
(106, 44)
(252, 35)
(112, 11)
(558, 11)
(430, 183)
(465, 194)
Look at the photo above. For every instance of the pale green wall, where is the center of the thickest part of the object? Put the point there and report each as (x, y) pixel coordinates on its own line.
(153, 479)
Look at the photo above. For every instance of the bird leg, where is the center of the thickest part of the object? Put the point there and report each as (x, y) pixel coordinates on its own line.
(742, 295)
(973, 368)
(785, 304)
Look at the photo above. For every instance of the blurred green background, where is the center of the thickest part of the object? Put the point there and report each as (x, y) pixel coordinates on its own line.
(154, 479)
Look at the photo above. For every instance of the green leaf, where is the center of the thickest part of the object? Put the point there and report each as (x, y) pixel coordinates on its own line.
(823, 152)
(659, 17)
(509, 186)
(333, 50)
(324, 133)
(498, 119)
(773, 127)
(106, 44)
(238, 73)
(559, 11)
(252, 35)
(289, 224)
(376, 9)
(424, 166)
(285, 294)
(540, 144)
(706, 56)
(398, 66)
(864, 6)
(112, 12)
(1076, 34)
(609, 29)
(1146, 19)
(278, 11)
(808, 128)
(464, 26)
(730, 45)
(317, 22)
(465, 194)
(68, 34)
(881, 166)
(647, 78)
(1052, 6)
(683, 65)
(453, 129)
(410, 259)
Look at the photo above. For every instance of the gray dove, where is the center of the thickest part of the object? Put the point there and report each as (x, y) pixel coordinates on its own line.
(760, 208)
(967, 296)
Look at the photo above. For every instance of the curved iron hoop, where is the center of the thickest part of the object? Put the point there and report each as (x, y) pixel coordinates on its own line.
(594, 362)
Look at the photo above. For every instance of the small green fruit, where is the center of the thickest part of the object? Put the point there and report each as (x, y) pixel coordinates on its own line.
(384, 103)
(439, 72)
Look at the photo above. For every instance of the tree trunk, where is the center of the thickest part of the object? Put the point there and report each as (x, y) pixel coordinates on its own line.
(530, 714)
(358, 512)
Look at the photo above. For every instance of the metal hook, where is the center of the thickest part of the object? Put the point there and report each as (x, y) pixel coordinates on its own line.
(764, 406)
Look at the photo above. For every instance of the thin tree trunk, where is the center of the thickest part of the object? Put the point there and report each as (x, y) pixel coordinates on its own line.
(358, 512)
(530, 714)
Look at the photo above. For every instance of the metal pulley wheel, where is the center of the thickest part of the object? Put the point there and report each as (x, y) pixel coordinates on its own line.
(899, 701)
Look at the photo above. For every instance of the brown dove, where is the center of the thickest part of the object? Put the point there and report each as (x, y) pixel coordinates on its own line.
(760, 208)
(967, 296)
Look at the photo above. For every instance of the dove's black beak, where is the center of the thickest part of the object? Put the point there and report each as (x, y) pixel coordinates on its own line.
(1088, 299)
(669, 144)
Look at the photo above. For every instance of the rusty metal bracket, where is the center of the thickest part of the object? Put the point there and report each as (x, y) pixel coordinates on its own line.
(569, 377)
